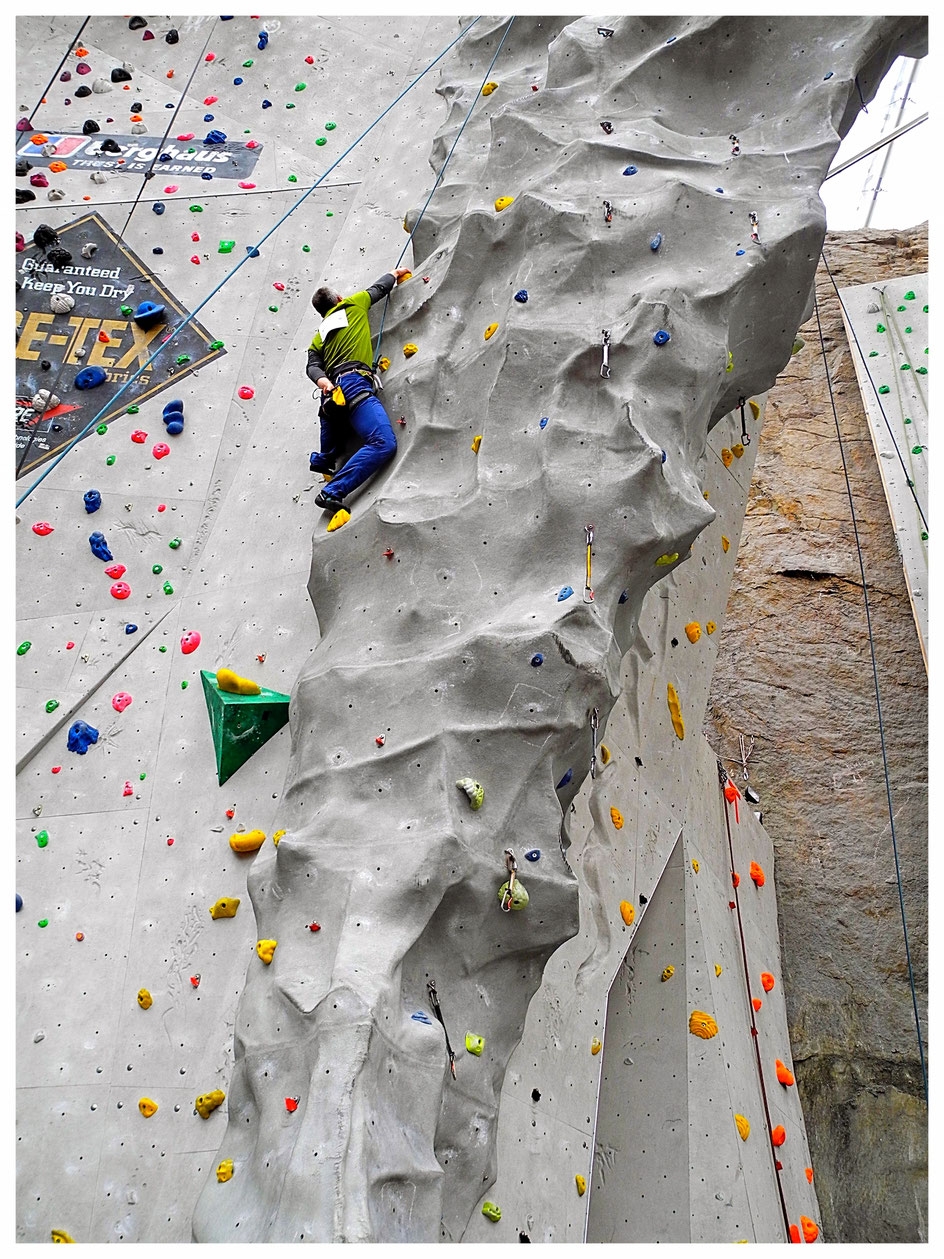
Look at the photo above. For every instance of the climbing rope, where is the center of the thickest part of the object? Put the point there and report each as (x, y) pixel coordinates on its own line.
(723, 777)
(878, 399)
(438, 180)
(878, 700)
(253, 250)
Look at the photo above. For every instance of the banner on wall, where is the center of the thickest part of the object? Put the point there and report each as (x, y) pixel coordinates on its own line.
(80, 152)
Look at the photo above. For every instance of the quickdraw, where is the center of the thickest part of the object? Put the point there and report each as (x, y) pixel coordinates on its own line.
(511, 865)
(588, 589)
(594, 727)
(605, 369)
(745, 435)
(434, 1002)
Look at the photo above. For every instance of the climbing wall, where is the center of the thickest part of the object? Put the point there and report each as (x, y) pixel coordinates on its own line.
(132, 987)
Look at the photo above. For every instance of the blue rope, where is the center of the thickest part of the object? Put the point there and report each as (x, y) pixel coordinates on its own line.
(438, 181)
(878, 701)
(908, 480)
(78, 437)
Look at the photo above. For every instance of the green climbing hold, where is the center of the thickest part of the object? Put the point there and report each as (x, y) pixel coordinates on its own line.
(51, 705)
(162, 648)
(273, 309)
(23, 648)
(125, 310)
(916, 450)
(883, 389)
(905, 367)
(880, 327)
(157, 568)
(216, 345)
(902, 307)
(909, 296)
(330, 126)
(329, 214)
(907, 419)
(174, 543)
(196, 209)
(306, 249)
(293, 179)
(182, 358)
(110, 460)
(873, 353)
(168, 588)
(925, 310)
(907, 330)
(102, 430)
(133, 409)
(921, 371)
(321, 140)
(290, 105)
(246, 65)
(300, 87)
(226, 247)
(43, 922)
(924, 536)
(141, 777)
(184, 685)
(241, 724)
(42, 838)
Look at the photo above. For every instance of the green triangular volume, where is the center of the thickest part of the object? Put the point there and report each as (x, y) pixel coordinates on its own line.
(241, 724)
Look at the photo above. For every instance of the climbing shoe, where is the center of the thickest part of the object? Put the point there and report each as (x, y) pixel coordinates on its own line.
(328, 502)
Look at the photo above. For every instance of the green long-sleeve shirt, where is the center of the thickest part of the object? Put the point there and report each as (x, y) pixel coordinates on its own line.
(344, 333)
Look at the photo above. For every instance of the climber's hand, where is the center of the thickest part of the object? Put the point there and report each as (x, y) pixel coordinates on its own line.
(324, 384)
(401, 273)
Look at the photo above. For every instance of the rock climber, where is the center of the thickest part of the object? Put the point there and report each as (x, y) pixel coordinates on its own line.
(339, 363)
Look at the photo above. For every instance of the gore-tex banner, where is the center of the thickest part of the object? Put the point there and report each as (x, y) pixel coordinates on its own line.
(226, 161)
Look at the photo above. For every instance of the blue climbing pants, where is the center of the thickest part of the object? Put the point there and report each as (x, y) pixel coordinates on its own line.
(369, 421)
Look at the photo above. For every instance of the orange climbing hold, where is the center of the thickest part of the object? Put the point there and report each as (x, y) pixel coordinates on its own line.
(794, 1234)
(757, 874)
(724, 544)
(726, 457)
(617, 818)
(693, 631)
(809, 1174)
(810, 1230)
(756, 1003)
(735, 878)
(627, 913)
(767, 980)
(743, 1127)
(56, 167)
(779, 1135)
(783, 1075)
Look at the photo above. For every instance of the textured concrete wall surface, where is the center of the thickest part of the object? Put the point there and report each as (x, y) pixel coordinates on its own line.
(795, 671)
(341, 1116)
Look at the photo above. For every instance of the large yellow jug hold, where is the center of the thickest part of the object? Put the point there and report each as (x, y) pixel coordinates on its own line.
(617, 818)
(233, 684)
(737, 450)
(693, 631)
(489, 88)
(502, 203)
(147, 1107)
(595, 1046)
(703, 1025)
(383, 363)
(338, 519)
(743, 1127)
(225, 1170)
(266, 949)
(476, 442)
(246, 841)
(627, 912)
(675, 711)
(207, 1103)
(409, 349)
(491, 330)
(726, 457)
(581, 1185)
(225, 907)
(144, 999)
(60, 1235)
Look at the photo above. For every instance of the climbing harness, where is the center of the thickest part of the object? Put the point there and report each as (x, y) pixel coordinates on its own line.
(255, 253)
(878, 698)
(745, 435)
(434, 1002)
(605, 369)
(594, 728)
(511, 865)
(588, 589)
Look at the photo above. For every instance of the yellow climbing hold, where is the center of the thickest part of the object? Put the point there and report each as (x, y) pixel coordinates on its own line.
(144, 999)
(695, 865)
(60, 1235)
(595, 1046)
(246, 841)
(726, 457)
(704, 495)
(668, 973)
(669, 558)
(225, 1170)
(617, 818)
(276, 837)
(604, 754)
(232, 683)
(383, 363)
(710, 627)
(628, 913)
(409, 349)
(703, 1025)
(207, 1103)
(730, 366)
(147, 1107)
(743, 1127)
(489, 88)
(755, 409)
(581, 1185)
(675, 710)
(407, 275)
(503, 203)
(717, 970)
(737, 450)
(476, 442)
(265, 949)
(338, 519)
(725, 543)
(693, 631)
(225, 907)
(491, 330)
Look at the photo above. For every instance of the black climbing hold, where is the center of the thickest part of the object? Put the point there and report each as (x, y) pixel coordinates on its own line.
(157, 250)
(171, 37)
(158, 207)
(624, 596)
(137, 23)
(24, 194)
(674, 642)
(523, 1237)
(83, 90)
(59, 257)
(120, 75)
(23, 166)
(136, 107)
(89, 127)
(607, 127)
(110, 146)
(643, 900)
(148, 314)
(639, 762)
(45, 364)
(535, 1095)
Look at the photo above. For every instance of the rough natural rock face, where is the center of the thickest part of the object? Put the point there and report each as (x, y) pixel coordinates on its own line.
(794, 669)
(433, 650)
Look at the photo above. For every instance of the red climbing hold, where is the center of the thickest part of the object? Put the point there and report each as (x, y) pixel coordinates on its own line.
(190, 642)
(195, 980)
(210, 100)
(69, 646)
(314, 926)
(160, 450)
(42, 527)
(195, 259)
(389, 554)
(115, 571)
(291, 1103)
(778, 1165)
(794, 1234)
(246, 392)
(280, 287)
(139, 436)
(121, 701)
(380, 740)
(170, 842)
(129, 790)
(309, 61)
(162, 507)
(194, 236)
(231, 813)
(120, 590)
(56, 769)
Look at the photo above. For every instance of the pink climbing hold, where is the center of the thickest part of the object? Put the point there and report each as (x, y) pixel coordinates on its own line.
(120, 590)
(114, 571)
(56, 769)
(252, 144)
(245, 392)
(194, 236)
(244, 184)
(121, 701)
(195, 259)
(280, 287)
(42, 527)
(162, 507)
(187, 135)
(211, 56)
(190, 642)
(309, 61)
(69, 646)
(210, 100)
(172, 187)
(129, 790)
(160, 450)
(139, 436)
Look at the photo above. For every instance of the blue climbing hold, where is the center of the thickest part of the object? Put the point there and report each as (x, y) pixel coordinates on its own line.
(19, 902)
(252, 251)
(215, 137)
(266, 104)
(624, 596)
(738, 253)
(671, 39)
(92, 500)
(537, 659)
(81, 737)
(661, 337)
(159, 207)
(208, 117)
(655, 242)
(175, 405)
(719, 190)
(631, 170)
(100, 546)
(227, 19)
(174, 417)
(236, 82)
(521, 295)
(130, 628)
(565, 593)
(827, 76)
(148, 314)
(89, 377)
(663, 456)
(565, 780)
(533, 854)
(420, 1017)
(544, 422)
(207, 174)
(263, 40)
(165, 157)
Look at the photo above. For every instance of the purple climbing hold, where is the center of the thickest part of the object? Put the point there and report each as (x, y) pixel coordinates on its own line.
(100, 546)
(81, 737)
